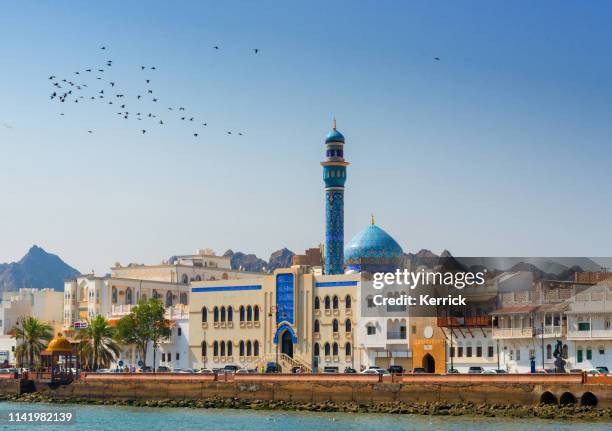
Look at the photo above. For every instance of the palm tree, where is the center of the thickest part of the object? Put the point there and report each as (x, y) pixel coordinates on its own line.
(97, 344)
(30, 334)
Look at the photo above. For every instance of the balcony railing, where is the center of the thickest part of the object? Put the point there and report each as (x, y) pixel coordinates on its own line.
(513, 332)
(590, 334)
(396, 335)
(476, 321)
(550, 331)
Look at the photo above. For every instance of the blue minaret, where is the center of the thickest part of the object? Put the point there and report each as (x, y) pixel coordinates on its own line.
(334, 176)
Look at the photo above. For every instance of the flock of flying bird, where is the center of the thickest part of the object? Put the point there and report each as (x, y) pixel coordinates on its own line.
(129, 107)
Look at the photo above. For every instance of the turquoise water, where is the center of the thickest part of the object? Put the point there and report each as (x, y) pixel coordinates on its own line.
(111, 418)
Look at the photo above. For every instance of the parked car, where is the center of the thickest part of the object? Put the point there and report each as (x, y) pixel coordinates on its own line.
(452, 371)
(603, 370)
(297, 370)
(217, 370)
(594, 372)
(475, 370)
(183, 370)
(350, 370)
(418, 370)
(243, 371)
(489, 372)
(273, 367)
(396, 369)
(330, 370)
(231, 369)
(103, 370)
(205, 371)
(499, 371)
(376, 370)
(576, 370)
(146, 369)
(163, 369)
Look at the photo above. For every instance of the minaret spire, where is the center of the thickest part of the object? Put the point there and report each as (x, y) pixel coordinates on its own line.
(334, 124)
(373, 220)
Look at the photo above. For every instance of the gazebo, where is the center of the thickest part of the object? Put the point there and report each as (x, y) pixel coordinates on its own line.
(59, 359)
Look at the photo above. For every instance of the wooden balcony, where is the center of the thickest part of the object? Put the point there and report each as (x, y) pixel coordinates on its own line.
(473, 321)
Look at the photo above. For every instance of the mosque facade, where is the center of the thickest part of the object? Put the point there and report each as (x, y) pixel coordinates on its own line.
(306, 316)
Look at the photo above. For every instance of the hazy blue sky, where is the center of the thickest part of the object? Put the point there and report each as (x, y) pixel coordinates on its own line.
(501, 148)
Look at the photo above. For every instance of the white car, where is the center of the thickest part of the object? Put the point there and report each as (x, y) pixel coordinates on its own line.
(205, 371)
(376, 370)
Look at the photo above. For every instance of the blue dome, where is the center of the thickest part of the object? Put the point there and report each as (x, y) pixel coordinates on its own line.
(373, 250)
(334, 136)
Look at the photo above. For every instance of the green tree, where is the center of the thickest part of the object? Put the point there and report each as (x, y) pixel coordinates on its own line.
(30, 334)
(145, 323)
(97, 344)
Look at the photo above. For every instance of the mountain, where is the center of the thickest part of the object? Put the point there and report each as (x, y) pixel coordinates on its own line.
(37, 269)
(250, 262)
(280, 259)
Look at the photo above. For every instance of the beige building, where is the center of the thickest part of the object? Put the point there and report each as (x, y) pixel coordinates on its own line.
(202, 266)
(292, 317)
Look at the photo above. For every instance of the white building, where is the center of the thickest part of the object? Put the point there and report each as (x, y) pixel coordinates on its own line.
(44, 304)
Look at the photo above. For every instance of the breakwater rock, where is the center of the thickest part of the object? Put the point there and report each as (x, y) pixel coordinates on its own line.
(441, 408)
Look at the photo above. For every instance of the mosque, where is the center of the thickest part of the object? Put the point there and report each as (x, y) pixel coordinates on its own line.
(309, 315)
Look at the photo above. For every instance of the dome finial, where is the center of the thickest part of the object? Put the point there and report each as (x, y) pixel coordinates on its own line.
(373, 220)
(334, 124)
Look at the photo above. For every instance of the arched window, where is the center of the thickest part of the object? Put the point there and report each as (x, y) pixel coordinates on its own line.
(347, 349)
(335, 325)
(249, 346)
(241, 312)
(168, 299)
(317, 303)
(347, 325)
(185, 279)
(317, 326)
(327, 303)
(249, 313)
(256, 348)
(347, 301)
(241, 348)
(155, 294)
(335, 349)
(229, 348)
(216, 314)
(256, 313)
(128, 295)
(216, 348)
(114, 295)
(204, 315)
(198, 278)
(183, 298)
(222, 348)
(327, 349)
(335, 302)
(230, 313)
(203, 349)
(223, 314)
(317, 350)
(224, 276)
(548, 351)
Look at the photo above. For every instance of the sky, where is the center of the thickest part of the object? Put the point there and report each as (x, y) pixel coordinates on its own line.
(501, 148)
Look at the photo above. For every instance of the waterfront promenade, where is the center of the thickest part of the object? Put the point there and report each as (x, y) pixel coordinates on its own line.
(519, 389)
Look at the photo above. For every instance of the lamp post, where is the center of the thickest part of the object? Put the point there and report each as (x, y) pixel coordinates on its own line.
(452, 349)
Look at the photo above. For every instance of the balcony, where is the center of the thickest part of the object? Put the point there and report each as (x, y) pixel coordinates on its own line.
(473, 321)
(527, 332)
(396, 337)
(590, 334)
(550, 331)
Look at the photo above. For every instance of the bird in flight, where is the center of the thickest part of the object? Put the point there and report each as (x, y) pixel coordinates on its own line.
(437, 58)
(195, 134)
(155, 100)
(148, 80)
(216, 47)
(52, 77)
(144, 131)
(89, 131)
(256, 50)
(229, 133)
(112, 84)
(87, 70)
(204, 124)
(153, 68)
(103, 47)
(181, 109)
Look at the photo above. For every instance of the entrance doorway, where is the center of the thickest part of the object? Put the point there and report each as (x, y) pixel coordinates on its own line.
(287, 344)
(429, 363)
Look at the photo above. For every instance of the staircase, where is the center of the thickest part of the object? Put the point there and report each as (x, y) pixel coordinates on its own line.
(286, 362)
